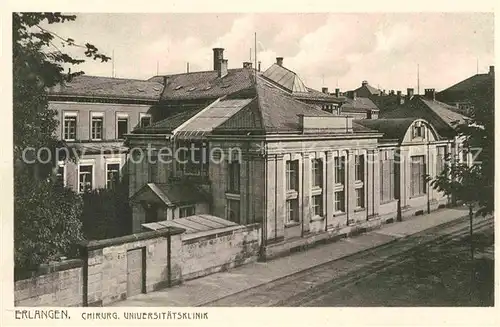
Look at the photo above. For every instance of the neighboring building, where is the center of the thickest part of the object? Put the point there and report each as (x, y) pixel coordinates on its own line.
(289, 81)
(477, 90)
(263, 156)
(95, 113)
(366, 90)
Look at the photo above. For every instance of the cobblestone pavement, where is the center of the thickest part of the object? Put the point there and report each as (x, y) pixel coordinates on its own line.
(430, 268)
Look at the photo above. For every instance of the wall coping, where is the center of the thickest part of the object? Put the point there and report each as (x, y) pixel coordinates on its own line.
(99, 244)
(48, 268)
(214, 233)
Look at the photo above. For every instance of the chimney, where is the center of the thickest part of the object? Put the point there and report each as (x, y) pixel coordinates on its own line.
(279, 61)
(324, 90)
(430, 94)
(223, 68)
(337, 92)
(247, 64)
(259, 66)
(409, 93)
(398, 97)
(364, 83)
(492, 70)
(218, 56)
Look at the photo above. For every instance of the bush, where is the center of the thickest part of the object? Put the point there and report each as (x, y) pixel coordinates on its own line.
(46, 221)
(106, 213)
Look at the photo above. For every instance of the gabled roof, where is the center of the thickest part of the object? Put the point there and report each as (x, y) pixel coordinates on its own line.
(358, 104)
(204, 85)
(439, 114)
(370, 89)
(167, 125)
(469, 84)
(285, 78)
(171, 194)
(108, 87)
(394, 129)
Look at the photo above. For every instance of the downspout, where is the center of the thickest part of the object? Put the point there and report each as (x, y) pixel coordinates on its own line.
(248, 183)
(275, 197)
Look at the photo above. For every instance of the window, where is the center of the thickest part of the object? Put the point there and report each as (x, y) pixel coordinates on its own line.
(317, 204)
(97, 127)
(360, 198)
(359, 172)
(440, 159)
(292, 210)
(85, 178)
(418, 131)
(387, 179)
(417, 175)
(339, 164)
(234, 177)
(233, 211)
(122, 127)
(60, 175)
(145, 120)
(153, 169)
(186, 211)
(69, 127)
(112, 176)
(193, 164)
(317, 173)
(292, 175)
(151, 212)
(340, 201)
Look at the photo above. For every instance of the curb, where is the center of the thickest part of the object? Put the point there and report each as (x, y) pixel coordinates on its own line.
(396, 239)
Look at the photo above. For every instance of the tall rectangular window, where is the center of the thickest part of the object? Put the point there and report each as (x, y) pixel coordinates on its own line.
(360, 198)
(86, 173)
(233, 210)
(418, 171)
(292, 210)
(317, 204)
(340, 201)
(339, 165)
(97, 127)
(387, 179)
(234, 177)
(292, 175)
(186, 211)
(122, 127)
(69, 127)
(359, 172)
(60, 174)
(112, 176)
(153, 169)
(145, 120)
(317, 173)
(440, 159)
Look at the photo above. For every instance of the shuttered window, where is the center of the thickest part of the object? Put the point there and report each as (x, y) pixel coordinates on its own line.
(418, 169)
(387, 179)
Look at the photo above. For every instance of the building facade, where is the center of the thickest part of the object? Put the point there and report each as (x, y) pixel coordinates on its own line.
(94, 114)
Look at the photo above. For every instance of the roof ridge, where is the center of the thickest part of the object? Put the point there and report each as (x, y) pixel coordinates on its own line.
(117, 78)
(196, 72)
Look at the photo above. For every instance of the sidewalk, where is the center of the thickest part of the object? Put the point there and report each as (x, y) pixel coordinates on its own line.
(213, 287)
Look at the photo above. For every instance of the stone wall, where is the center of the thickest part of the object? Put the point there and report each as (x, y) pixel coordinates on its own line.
(57, 284)
(217, 251)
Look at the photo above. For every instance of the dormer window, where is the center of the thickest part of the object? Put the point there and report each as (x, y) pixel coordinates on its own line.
(418, 130)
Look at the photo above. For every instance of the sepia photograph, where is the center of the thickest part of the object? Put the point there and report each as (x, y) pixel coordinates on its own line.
(252, 160)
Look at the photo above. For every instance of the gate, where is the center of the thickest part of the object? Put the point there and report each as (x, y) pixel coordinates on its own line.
(136, 271)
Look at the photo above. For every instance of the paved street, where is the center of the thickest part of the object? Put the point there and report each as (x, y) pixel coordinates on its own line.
(430, 268)
(341, 257)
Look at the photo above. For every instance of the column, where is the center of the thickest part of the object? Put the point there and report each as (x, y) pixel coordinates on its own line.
(350, 192)
(376, 182)
(270, 217)
(280, 197)
(328, 183)
(306, 193)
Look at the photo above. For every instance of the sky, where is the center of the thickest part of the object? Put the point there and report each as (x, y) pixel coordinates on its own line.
(332, 50)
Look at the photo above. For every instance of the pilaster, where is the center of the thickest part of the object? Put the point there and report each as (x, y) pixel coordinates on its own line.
(306, 192)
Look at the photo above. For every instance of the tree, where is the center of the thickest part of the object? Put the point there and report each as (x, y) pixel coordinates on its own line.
(45, 216)
(473, 184)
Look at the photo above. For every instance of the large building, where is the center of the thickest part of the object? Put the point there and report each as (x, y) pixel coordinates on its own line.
(248, 148)
(94, 115)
